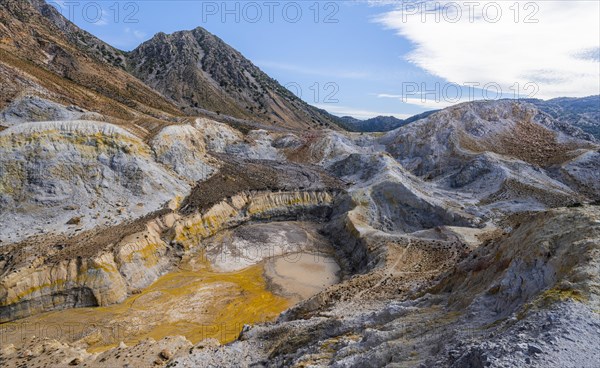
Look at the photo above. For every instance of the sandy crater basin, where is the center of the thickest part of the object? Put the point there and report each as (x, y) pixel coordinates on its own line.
(211, 295)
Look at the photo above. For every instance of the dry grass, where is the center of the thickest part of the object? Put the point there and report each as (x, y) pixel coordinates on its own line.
(88, 243)
(528, 142)
(237, 176)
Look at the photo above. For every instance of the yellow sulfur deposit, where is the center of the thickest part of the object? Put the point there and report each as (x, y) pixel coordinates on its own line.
(193, 301)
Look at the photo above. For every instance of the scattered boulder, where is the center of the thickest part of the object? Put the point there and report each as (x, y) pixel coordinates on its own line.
(74, 221)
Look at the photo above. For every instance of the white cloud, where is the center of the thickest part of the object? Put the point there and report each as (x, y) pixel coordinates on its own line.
(554, 53)
(358, 113)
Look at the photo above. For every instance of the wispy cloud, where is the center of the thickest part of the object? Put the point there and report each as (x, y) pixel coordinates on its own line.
(104, 19)
(322, 72)
(136, 33)
(358, 113)
(427, 103)
(543, 43)
(127, 39)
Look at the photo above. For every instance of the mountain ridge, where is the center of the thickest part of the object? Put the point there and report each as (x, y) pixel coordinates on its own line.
(582, 112)
(58, 61)
(197, 69)
(380, 123)
(37, 58)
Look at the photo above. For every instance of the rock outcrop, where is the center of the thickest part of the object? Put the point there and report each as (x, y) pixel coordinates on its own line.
(495, 151)
(111, 177)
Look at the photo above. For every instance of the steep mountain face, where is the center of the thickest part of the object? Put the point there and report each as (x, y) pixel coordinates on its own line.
(44, 55)
(78, 37)
(198, 70)
(583, 113)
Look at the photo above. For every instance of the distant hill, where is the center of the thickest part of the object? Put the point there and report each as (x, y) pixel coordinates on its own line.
(379, 123)
(583, 113)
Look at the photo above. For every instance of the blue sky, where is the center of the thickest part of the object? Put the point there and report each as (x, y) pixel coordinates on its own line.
(365, 58)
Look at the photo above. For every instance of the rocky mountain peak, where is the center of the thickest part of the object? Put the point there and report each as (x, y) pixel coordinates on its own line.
(198, 70)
